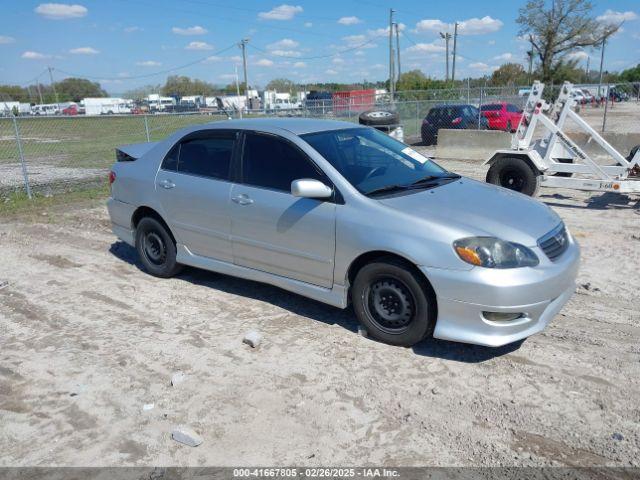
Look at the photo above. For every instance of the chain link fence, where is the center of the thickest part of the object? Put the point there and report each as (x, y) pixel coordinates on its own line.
(51, 155)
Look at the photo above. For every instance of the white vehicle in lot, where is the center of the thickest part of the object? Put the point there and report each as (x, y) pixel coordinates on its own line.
(48, 109)
(107, 106)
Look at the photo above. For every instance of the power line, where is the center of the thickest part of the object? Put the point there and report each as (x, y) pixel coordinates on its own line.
(154, 74)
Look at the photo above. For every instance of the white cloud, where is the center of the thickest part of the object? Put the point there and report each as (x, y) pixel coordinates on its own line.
(148, 63)
(236, 58)
(6, 39)
(491, 42)
(286, 53)
(331, 72)
(300, 65)
(385, 30)
(264, 62)
(580, 56)
(212, 59)
(426, 48)
(472, 26)
(84, 51)
(282, 12)
(195, 30)
(349, 21)
(611, 16)
(354, 40)
(30, 55)
(132, 29)
(227, 76)
(378, 66)
(504, 56)
(198, 46)
(60, 11)
(359, 53)
(482, 67)
(308, 24)
(282, 44)
(338, 61)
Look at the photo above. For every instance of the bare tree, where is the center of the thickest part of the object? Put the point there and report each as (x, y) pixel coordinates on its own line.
(556, 28)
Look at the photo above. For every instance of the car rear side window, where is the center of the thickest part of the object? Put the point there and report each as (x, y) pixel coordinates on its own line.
(271, 162)
(170, 162)
(207, 157)
(491, 107)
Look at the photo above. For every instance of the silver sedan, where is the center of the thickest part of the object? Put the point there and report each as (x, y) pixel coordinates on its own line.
(345, 214)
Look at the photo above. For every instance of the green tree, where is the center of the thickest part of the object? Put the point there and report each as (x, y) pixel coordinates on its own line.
(180, 86)
(281, 85)
(630, 74)
(509, 74)
(556, 28)
(75, 89)
(13, 93)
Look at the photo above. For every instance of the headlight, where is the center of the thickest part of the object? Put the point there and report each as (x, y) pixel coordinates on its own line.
(491, 252)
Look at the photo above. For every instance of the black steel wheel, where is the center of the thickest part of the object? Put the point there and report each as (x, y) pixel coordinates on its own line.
(156, 248)
(394, 302)
(515, 174)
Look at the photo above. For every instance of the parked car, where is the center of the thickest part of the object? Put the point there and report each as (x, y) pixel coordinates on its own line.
(588, 96)
(70, 110)
(502, 116)
(346, 214)
(578, 96)
(452, 117)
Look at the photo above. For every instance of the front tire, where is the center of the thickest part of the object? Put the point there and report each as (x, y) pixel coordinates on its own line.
(515, 174)
(156, 248)
(395, 304)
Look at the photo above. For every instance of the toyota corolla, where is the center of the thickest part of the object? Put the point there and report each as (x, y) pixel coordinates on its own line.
(346, 215)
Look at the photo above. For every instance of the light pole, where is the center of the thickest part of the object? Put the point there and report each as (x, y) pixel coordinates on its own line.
(455, 50)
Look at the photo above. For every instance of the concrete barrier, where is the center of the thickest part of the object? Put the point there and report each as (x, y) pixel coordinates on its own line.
(471, 144)
(623, 142)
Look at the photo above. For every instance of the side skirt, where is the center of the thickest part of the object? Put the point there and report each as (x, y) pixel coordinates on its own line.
(336, 296)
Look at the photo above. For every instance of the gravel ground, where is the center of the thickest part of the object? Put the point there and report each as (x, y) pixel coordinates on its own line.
(89, 344)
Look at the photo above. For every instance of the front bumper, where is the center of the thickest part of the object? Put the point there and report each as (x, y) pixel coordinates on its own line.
(538, 293)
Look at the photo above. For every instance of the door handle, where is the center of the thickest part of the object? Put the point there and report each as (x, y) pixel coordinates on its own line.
(242, 199)
(167, 184)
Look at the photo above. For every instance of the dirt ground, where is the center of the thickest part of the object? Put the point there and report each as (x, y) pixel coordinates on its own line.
(87, 340)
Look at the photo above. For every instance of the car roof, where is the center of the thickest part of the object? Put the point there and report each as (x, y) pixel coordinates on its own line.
(297, 126)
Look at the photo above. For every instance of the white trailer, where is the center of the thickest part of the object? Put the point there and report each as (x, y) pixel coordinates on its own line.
(107, 106)
(553, 160)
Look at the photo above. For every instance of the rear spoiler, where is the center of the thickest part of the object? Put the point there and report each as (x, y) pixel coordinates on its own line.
(133, 151)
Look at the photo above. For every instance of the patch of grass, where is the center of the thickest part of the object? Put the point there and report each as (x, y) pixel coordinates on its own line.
(18, 205)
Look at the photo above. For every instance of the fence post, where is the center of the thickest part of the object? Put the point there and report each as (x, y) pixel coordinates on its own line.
(606, 108)
(480, 105)
(417, 119)
(146, 128)
(21, 153)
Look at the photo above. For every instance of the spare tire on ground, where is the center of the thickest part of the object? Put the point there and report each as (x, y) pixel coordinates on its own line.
(379, 117)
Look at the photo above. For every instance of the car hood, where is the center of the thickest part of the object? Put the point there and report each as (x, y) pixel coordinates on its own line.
(479, 209)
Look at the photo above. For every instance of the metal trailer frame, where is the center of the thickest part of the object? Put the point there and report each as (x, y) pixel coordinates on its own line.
(555, 157)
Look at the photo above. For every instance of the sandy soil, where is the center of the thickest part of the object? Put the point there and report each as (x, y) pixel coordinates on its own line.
(87, 339)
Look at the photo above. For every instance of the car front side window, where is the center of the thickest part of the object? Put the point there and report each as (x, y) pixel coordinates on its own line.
(271, 162)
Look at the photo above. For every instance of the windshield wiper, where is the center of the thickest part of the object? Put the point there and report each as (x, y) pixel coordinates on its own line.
(422, 183)
(432, 178)
(387, 189)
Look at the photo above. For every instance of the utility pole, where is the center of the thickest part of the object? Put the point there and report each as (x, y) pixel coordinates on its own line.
(586, 72)
(39, 90)
(54, 87)
(604, 40)
(391, 69)
(455, 49)
(238, 87)
(398, 50)
(446, 37)
(530, 55)
(243, 45)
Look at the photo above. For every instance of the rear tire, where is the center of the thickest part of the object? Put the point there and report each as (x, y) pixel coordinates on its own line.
(395, 304)
(156, 248)
(379, 117)
(515, 174)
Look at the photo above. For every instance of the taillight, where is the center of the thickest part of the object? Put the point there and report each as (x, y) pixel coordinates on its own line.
(112, 177)
(456, 121)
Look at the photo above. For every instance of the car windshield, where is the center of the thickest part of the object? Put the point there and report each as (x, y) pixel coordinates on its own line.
(372, 161)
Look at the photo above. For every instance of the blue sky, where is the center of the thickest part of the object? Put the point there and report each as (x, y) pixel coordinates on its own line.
(128, 43)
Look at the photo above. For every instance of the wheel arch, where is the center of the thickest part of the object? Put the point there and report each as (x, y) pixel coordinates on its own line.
(145, 211)
(513, 154)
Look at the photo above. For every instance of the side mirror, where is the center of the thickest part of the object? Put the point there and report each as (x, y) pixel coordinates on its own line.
(309, 188)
